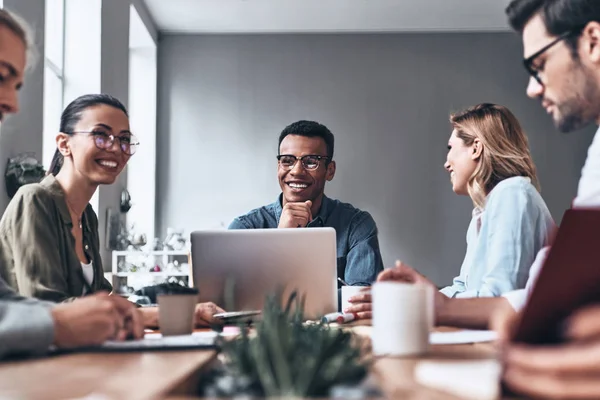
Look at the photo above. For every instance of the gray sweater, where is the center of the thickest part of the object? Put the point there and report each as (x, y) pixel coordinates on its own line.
(26, 325)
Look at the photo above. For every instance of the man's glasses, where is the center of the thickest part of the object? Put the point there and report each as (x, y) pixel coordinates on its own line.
(104, 140)
(309, 162)
(528, 62)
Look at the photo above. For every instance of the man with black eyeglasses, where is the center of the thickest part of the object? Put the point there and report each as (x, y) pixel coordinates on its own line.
(305, 164)
(561, 43)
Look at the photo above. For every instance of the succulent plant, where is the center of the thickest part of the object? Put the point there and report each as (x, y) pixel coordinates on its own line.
(286, 357)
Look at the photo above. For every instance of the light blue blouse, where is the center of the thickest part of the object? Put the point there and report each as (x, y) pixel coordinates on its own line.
(503, 240)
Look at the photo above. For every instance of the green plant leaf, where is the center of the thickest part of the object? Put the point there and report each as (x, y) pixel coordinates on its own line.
(287, 357)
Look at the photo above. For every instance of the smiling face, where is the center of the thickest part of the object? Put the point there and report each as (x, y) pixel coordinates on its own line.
(12, 68)
(98, 166)
(569, 89)
(461, 162)
(299, 184)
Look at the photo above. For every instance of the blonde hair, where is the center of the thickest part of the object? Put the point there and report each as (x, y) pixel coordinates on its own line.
(505, 151)
(19, 27)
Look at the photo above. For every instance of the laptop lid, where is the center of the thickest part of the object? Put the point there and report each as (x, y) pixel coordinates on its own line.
(250, 264)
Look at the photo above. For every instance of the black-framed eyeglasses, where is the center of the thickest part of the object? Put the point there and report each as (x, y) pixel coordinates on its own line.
(104, 140)
(309, 162)
(528, 62)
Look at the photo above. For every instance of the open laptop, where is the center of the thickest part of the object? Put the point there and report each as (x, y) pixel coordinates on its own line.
(244, 266)
(568, 280)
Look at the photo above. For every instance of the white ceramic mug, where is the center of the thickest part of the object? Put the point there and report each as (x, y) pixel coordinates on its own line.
(176, 313)
(402, 318)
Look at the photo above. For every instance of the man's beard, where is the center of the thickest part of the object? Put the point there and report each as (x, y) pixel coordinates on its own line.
(569, 119)
(583, 106)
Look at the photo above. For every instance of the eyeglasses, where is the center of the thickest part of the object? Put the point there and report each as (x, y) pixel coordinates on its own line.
(309, 162)
(104, 140)
(528, 62)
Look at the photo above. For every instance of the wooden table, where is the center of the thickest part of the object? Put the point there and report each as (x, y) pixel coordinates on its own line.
(131, 376)
(162, 374)
(396, 376)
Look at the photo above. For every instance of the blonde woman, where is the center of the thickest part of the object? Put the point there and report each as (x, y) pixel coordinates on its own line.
(489, 161)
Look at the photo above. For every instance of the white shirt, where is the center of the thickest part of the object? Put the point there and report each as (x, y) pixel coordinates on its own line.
(588, 195)
(88, 274)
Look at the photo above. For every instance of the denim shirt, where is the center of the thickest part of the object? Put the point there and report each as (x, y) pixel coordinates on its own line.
(503, 240)
(358, 256)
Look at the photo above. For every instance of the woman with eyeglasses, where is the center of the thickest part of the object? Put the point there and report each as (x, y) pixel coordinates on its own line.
(49, 232)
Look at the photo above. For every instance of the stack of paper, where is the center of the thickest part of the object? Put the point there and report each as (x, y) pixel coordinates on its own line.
(468, 379)
(462, 337)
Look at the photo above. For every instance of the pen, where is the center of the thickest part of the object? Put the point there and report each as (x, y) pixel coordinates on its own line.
(343, 282)
(331, 317)
(340, 318)
(346, 317)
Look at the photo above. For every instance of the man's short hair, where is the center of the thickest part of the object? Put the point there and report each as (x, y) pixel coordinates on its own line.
(559, 16)
(310, 129)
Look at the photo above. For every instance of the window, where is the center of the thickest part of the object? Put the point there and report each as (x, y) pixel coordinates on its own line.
(82, 38)
(71, 63)
(54, 77)
(141, 169)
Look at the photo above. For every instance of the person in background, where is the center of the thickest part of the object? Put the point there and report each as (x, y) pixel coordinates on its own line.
(305, 164)
(84, 322)
(489, 161)
(49, 236)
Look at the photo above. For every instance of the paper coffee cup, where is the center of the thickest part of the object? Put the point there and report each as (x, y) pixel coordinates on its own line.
(176, 313)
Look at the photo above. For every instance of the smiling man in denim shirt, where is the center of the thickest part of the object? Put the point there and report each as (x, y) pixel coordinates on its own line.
(305, 165)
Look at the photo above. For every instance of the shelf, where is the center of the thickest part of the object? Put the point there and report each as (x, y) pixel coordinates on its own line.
(124, 274)
(152, 253)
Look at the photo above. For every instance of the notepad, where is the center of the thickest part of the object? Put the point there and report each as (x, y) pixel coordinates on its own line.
(462, 337)
(467, 379)
(156, 341)
(455, 337)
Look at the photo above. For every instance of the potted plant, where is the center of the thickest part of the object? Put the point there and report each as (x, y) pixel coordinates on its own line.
(21, 170)
(286, 357)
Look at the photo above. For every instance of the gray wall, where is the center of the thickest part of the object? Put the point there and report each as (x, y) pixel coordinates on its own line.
(224, 99)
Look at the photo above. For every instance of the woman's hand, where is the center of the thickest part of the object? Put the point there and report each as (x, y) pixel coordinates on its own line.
(361, 303)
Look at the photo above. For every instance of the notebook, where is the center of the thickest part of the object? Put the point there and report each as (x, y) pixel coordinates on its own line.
(568, 280)
(154, 342)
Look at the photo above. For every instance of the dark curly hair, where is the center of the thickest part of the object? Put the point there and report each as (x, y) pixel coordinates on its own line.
(310, 129)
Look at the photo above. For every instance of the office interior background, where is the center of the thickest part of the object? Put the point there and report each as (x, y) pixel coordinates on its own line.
(210, 84)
